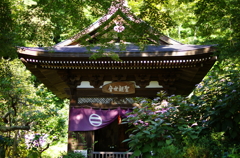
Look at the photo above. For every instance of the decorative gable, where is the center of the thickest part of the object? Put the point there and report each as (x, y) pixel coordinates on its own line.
(119, 25)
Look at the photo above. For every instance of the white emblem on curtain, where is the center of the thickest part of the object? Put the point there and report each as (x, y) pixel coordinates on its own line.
(95, 120)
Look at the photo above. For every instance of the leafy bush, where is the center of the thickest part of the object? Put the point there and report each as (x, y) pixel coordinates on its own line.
(234, 152)
(203, 147)
(73, 155)
(174, 125)
(218, 96)
(162, 122)
(170, 151)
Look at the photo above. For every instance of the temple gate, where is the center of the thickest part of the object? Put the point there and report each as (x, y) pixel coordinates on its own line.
(101, 91)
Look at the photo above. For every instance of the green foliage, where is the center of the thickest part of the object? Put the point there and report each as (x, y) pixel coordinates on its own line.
(73, 155)
(184, 125)
(153, 12)
(219, 17)
(6, 31)
(33, 153)
(161, 122)
(4, 143)
(234, 151)
(197, 152)
(204, 147)
(218, 95)
(45, 23)
(170, 151)
(26, 109)
(184, 20)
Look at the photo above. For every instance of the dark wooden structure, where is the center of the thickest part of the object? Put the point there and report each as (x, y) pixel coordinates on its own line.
(162, 64)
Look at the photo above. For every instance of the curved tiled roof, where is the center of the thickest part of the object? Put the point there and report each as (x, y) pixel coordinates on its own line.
(62, 68)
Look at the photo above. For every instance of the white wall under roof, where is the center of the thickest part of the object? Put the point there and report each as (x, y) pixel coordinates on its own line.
(152, 84)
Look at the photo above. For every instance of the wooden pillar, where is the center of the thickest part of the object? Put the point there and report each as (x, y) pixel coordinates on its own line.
(81, 141)
(72, 136)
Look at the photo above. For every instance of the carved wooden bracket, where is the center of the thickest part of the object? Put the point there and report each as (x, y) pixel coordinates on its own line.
(96, 80)
(142, 80)
(118, 78)
(74, 80)
(71, 80)
(168, 81)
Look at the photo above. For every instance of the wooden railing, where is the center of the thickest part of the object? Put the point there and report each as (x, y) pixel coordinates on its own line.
(102, 154)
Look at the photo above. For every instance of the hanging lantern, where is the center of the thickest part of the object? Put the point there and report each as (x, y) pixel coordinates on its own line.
(119, 119)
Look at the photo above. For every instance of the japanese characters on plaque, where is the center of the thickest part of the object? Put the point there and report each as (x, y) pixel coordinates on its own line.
(119, 88)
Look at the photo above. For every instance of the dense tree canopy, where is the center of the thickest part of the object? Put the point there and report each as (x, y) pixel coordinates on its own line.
(44, 23)
(26, 108)
(6, 31)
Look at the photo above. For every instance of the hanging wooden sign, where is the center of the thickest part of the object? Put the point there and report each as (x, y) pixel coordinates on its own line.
(119, 88)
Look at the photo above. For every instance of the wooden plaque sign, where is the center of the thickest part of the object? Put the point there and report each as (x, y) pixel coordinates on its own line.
(119, 88)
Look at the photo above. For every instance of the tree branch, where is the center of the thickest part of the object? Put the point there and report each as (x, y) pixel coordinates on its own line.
(13, 128)
(5, 120)
(48, 144)
(23, 103)
(14, 107)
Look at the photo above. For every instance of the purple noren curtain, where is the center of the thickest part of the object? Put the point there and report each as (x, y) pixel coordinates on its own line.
(82, 119)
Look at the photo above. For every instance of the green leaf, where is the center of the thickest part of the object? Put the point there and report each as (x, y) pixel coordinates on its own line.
(137, 152)
(147, 132)
(146, 148)
(169, 141)
(126, 140)
(161, 143)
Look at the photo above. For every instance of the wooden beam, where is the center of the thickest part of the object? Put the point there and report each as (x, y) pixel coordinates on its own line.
(97, 92)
